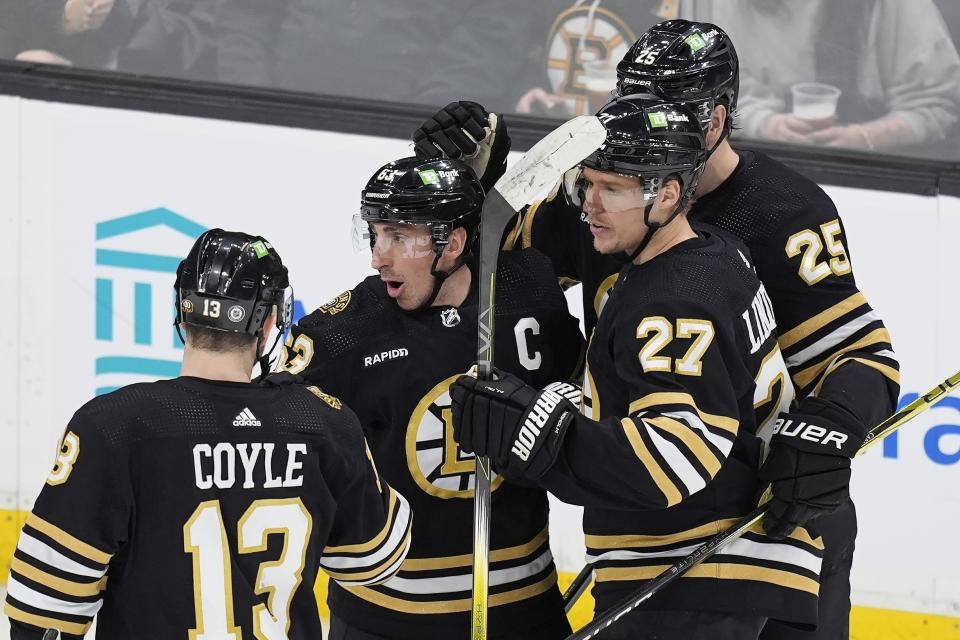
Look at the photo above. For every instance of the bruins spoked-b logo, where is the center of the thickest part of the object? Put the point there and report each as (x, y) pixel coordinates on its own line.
(578, 37)
(436, 463)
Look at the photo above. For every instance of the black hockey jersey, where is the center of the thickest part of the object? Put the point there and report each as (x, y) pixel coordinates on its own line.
(684, 371)
(197, 507)
(836, 347)
(396, 367)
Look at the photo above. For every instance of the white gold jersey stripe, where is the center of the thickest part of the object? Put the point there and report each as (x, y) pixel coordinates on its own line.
(50, 556)
(464, 582)
(394, 540)
(784, 553)
(823, 345)
(678, 462)
(26, 595)
(389, 571)
(692, 419)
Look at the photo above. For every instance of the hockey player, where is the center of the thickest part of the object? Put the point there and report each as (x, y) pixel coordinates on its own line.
(204, 506)
(837, 349)
(390, 347)
(667, 452)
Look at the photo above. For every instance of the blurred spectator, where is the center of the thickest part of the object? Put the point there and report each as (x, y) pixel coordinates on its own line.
(894, 62)
(950, 10)
(248, 36)
(159, 37)
(571, 65)
(411, 51)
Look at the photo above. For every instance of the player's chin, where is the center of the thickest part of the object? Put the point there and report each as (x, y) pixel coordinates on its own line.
(410, 303)
(604, 246)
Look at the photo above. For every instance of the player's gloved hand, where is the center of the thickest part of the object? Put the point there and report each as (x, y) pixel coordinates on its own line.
(808, 469)
(466, 131)
(520, 428)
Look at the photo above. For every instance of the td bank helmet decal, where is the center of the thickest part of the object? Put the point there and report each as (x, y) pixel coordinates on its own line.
(436, 463)
(579, 36)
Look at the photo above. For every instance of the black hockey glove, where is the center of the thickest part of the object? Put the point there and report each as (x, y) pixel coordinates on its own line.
(465, 131)
(808, 468)
(519, 428)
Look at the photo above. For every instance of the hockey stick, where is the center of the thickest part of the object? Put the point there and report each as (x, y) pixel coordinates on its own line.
(707, 549)
(539, 168)
(577, 587)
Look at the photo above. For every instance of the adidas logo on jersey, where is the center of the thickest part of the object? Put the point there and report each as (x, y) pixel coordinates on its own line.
(246, 419)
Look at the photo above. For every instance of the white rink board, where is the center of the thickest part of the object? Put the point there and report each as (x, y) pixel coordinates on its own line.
(80, 167)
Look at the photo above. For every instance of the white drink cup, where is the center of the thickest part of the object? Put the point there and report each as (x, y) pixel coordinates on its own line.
(815, 102)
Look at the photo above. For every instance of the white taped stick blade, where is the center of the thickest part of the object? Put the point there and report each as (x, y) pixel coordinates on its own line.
(542, 166)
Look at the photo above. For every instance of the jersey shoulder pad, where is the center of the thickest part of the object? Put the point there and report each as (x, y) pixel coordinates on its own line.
(527, 281)
(719, 277)
(345, 321)
(306, 409)
(143, 410)
(771, 197)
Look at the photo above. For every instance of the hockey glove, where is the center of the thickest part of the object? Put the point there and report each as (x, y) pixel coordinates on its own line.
(519, 428)
(465, 131)
(808, 469)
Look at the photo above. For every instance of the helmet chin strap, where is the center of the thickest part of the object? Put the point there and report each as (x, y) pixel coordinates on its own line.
(264, 359)
(723, 136)
(439, 277)
(653, 227)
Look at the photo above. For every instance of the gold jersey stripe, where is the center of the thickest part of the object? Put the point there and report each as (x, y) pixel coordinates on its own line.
(362, 547)
(704, 531)
(44, 622)
(452, 606)
(528, 224)
(718, 571)
(692, 441)
(664, 483)
(466, 560)
(885, 370)
(62, 537)
(510, 241)
(808, 375)
(667, 397)
(618, 542)
(69, 587)
(380, 568)
(822, 319)
(604, 289)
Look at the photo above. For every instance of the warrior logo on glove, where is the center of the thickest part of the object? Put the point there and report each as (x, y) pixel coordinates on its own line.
(546, 403)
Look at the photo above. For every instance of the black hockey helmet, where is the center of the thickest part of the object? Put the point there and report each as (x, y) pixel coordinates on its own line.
(683, 61)
(652, 140)
(442, 194)
(230, 281)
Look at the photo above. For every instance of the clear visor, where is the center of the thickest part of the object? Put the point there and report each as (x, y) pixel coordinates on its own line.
(285, 311)
(615, 197)
(397, 239)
